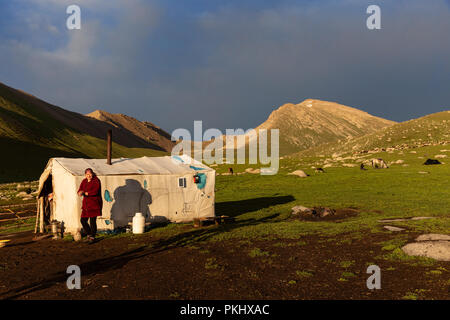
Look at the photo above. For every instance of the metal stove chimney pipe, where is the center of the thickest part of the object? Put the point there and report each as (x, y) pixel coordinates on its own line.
(109, 147)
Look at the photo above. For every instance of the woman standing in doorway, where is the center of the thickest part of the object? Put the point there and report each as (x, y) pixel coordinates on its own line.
(90, 190)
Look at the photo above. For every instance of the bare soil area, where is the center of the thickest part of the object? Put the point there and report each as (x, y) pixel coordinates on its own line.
(147, 267)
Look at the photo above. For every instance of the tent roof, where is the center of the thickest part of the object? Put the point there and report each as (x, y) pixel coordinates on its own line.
(130, 166)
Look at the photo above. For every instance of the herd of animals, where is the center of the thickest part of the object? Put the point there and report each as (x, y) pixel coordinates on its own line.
(375, 163)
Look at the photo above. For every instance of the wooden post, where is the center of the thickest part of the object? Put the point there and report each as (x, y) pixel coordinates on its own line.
(37, 216)
(109, 147)
(41, 214)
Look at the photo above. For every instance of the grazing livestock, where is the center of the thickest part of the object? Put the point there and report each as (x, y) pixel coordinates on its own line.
(379, 164)
(319, 170)
(431, 161)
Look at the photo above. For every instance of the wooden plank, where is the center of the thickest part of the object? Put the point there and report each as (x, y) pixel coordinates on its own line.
(41, 214)
(37, 216)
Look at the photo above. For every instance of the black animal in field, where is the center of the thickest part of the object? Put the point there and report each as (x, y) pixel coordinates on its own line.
(431, 161)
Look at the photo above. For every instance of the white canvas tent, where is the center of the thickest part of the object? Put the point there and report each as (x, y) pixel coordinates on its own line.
(162, 188)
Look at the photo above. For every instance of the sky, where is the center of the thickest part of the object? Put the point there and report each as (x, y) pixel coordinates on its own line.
(229, 63)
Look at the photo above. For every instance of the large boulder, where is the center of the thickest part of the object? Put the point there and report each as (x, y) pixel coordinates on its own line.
(433, 237)
(439, 250)
(300, 209)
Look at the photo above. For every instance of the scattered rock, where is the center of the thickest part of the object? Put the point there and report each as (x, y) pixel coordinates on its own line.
(404, 219)
(300, 209)
(423, 172)
(440, 156)
(391, 228)
(23, 194)
(421, 218)
(299, 173)
(349, 165)
(392, 220)
(439, 250)
(433, 237)
(322, 213)
(326, 212)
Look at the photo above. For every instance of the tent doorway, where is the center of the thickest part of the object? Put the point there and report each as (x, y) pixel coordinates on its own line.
(45, 204)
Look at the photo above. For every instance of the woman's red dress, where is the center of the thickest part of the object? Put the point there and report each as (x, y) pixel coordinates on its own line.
(92, 203)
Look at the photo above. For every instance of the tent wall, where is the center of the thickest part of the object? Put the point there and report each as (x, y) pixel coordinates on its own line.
(66, 201)
(159, 197)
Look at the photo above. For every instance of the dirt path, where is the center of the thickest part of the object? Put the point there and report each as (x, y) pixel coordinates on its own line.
(146, 267)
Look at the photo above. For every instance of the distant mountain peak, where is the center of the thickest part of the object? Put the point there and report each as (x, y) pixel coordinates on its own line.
(313, 122)
(143, 129)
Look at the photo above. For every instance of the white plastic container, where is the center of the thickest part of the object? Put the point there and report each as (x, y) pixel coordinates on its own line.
(138, 223)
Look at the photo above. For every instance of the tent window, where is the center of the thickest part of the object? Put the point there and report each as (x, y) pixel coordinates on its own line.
(182, 182)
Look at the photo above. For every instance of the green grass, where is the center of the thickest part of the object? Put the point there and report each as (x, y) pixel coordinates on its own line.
(258, 253)
(262, 205)
(211, 263)
(397, 255)
(347, 274)
(431, 129)
(346, 264)
(413, 295)
(18, 226)
(303, 273)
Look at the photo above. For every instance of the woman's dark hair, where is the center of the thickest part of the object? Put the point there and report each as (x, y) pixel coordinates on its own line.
(89, 169)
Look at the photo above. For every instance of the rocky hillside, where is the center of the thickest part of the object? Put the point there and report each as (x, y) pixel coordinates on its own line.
(32, 130)
(145, 130)
(314, 122)
(430, 130)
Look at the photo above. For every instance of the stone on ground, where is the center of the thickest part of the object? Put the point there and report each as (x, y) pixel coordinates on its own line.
(300, 209)
(433, 237)
(439, 250)
(299, 173)
(392, 220)
(392, 228)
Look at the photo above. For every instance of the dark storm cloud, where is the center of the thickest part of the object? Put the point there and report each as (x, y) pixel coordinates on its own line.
(231, 63)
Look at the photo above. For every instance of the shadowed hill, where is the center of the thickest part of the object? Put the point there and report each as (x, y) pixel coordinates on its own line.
(145, 130)
(32, 130)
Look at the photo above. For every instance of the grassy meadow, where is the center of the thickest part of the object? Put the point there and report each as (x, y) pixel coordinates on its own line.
(267, 239)
(262, 205)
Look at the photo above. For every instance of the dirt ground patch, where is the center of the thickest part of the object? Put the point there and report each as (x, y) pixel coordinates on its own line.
(326, 214)
(148, 267)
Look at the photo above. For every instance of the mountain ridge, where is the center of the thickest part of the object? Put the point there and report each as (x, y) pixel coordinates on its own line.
(313, 122)
(32, 130)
